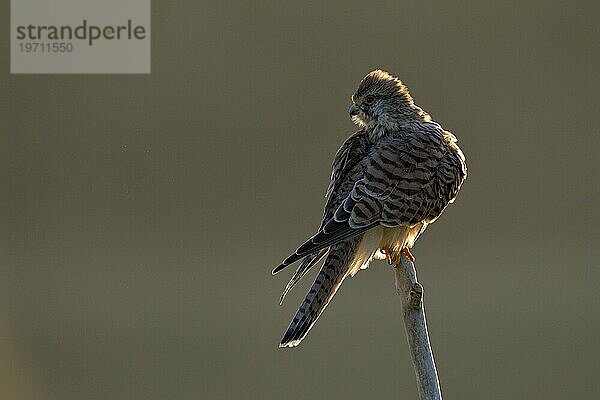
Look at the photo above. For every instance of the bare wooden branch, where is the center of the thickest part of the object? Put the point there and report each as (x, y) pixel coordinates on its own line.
(410, 292)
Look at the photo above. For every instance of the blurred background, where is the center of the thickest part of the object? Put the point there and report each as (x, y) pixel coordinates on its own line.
(142, 214)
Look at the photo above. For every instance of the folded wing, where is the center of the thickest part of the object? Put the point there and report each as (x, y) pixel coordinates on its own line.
(401, 180)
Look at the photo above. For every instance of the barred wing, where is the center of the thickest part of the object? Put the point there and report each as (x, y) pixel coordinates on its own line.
(401, 181)
(346, 170)
(406, 181)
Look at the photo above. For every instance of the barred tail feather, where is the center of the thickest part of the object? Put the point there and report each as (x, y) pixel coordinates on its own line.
(335, 269)
(304, 267)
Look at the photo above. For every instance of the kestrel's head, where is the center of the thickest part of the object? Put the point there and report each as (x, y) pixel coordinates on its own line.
(381, 99)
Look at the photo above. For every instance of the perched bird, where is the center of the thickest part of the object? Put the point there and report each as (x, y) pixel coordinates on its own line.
(390, 179)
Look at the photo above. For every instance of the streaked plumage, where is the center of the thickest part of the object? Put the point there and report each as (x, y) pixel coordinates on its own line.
(389, 181)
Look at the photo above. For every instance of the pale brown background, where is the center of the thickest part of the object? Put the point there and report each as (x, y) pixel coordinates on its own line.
(141, 215)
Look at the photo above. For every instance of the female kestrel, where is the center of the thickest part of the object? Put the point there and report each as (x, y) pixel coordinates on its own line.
(390, 180)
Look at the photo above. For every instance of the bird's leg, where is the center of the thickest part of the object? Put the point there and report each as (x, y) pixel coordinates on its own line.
(408, 254)
(392, 257)
(388, 255)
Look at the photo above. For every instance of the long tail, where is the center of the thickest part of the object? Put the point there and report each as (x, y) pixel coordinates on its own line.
(332, 274)
(304, 267)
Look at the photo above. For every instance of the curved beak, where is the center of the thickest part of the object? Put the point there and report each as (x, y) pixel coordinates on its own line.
(353, 110)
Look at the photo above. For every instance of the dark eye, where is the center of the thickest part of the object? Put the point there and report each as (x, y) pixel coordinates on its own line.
(369, 100)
